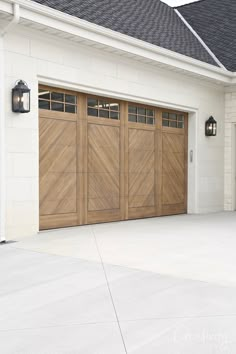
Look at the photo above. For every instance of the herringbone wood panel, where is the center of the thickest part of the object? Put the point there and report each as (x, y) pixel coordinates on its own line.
(57, 166)
(141, 168)
(103, 167)
(173, 172)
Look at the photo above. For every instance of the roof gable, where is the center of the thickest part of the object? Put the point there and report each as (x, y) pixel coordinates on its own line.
(215, 23)
(151, 21)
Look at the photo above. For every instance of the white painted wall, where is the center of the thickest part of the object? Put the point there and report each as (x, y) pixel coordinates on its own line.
(35, 58)
(2, 147)
(230, 149)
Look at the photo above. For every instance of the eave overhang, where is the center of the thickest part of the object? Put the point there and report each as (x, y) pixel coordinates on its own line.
(48, 20)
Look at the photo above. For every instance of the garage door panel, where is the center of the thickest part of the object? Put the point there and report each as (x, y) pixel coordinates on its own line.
(64, 161)
(108, 164)
(141, 161)
(64, 185)
(174, 209)
(173, 163)
(54, 132)
(174, 180)
(173, 142)
(138, 201)
(99, 216)
(141, 139)
(57, 170)
(57, 147)
(101, 184)
(56, 187)
(172, 192)
(142, 212)
(103, 168)
(59, 206)
(58, 220)
(107, 203)
(141, 183)
(103, 136)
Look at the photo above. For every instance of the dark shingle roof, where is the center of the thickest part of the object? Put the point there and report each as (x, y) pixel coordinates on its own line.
(215, 23)
(149, 20)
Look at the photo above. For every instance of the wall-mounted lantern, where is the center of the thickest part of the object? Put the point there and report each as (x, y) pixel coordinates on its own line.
(21, 97)
(211, 127)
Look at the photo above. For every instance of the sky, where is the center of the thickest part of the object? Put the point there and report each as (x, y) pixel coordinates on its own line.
(178, 2)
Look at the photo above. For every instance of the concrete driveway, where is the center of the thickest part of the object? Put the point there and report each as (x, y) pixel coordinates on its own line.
(162, 285)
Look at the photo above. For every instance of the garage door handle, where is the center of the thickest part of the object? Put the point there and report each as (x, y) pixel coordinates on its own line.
(191, 155)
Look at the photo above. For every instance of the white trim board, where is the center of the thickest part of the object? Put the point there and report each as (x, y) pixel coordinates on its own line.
(93, 90)
(2, 147)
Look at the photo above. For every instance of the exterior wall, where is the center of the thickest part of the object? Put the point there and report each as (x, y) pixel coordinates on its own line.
(38, 58)
(230, 156)
(2, 146)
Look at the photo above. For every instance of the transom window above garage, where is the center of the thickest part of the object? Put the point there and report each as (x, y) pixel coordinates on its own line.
(103, 108)
(141, 115)
(172, 120)
(57, 101)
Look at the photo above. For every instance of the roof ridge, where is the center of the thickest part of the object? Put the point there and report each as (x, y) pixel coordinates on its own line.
(214, 22)
(199, 38)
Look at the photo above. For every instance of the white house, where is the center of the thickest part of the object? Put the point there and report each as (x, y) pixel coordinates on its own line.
(120, 95)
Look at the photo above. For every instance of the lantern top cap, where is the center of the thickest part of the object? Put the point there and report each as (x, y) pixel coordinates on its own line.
(211, 120)
(21, 85)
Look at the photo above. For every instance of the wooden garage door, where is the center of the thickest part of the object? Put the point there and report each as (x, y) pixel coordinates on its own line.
(106, 160)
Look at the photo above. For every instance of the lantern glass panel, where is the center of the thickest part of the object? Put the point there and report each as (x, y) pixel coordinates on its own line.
(25, 101)
(214, 129)
(15, 101)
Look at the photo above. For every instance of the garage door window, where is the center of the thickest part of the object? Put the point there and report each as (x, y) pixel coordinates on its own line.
(57, 101)
(172, 120)
(103, 109)
(141, 115)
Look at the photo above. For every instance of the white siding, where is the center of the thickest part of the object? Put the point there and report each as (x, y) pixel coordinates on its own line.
(229, 156)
